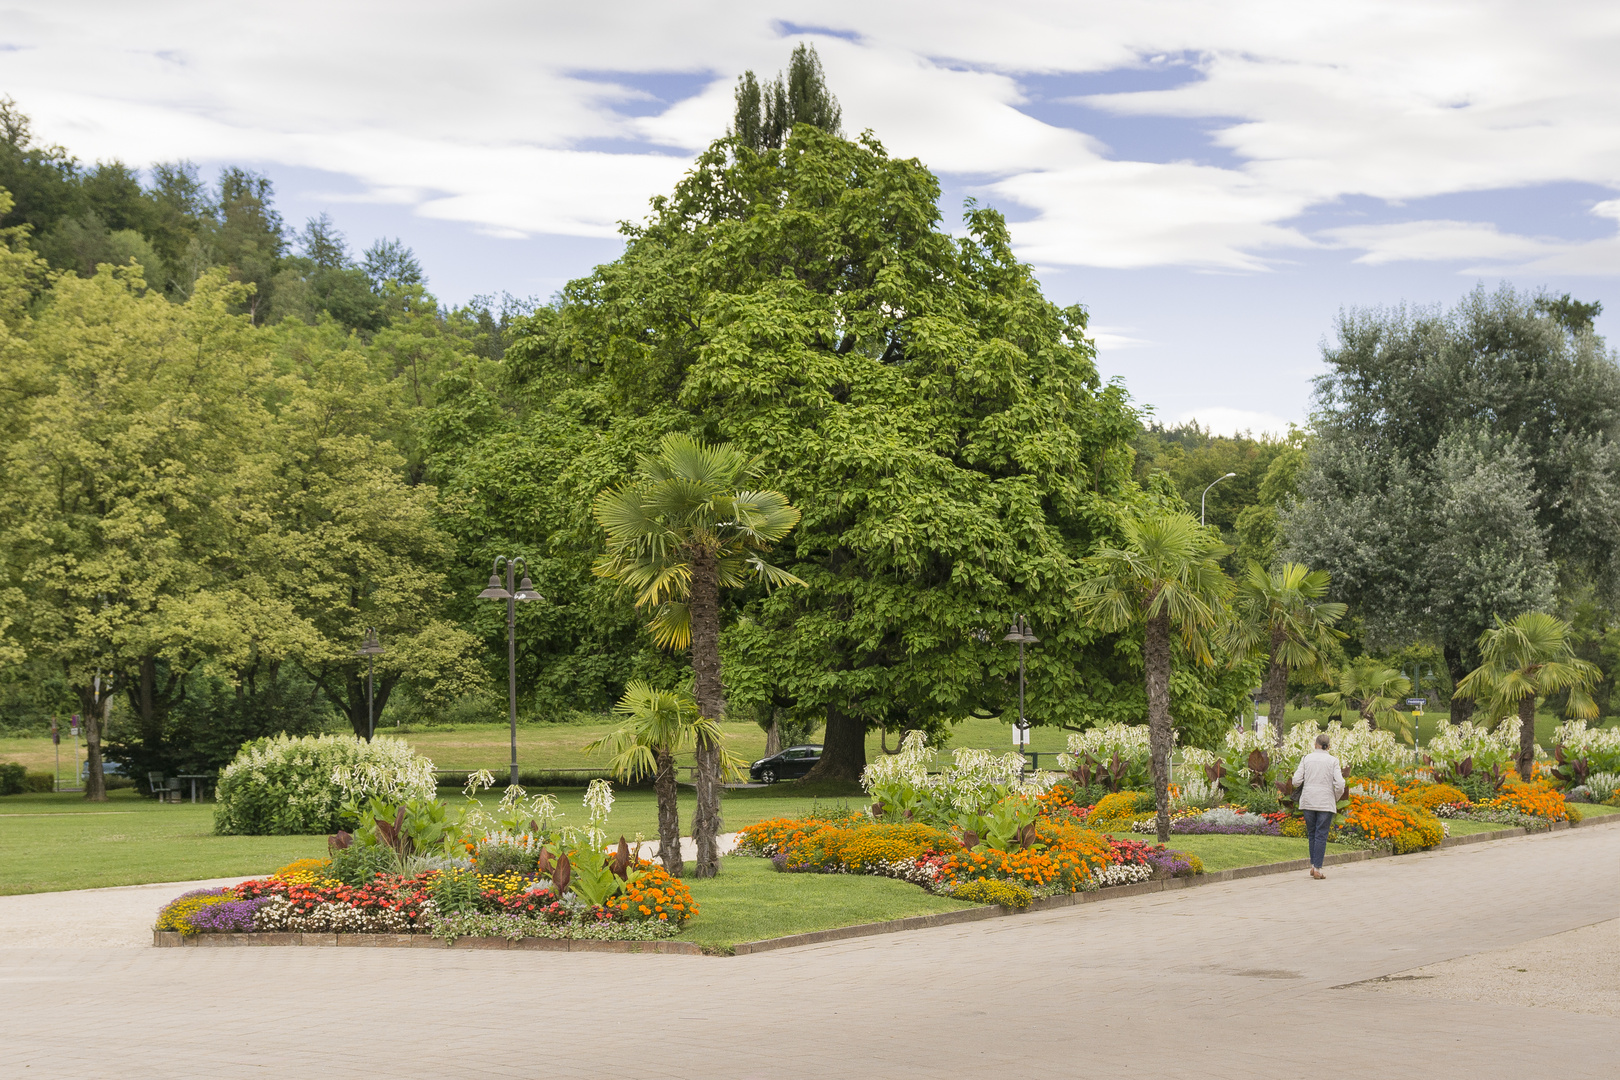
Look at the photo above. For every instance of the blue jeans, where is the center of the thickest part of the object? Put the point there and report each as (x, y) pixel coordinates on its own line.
(1317, 823)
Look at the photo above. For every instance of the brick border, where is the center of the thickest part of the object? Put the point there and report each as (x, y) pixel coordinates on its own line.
(173, 939)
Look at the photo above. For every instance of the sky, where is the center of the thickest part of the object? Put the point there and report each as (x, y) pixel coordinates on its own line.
(1214, 182)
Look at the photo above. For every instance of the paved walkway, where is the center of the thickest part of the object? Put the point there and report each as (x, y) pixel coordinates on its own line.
(1251, 979)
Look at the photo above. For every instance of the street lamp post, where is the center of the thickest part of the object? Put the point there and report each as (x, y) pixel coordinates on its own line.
(523, 590)
(1205, 495)
(370, 648)
(1019, 633)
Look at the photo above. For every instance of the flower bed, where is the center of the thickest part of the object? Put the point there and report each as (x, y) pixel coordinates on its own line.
(650, 905)
(1052, 854)
(1221, 820)
(395, 874)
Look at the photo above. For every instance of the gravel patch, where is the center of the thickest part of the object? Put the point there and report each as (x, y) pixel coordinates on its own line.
(1573, 971)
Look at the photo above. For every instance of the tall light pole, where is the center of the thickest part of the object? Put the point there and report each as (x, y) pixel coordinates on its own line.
(370, 648)
(1019, 632)
(1205, 495)
(524, 590)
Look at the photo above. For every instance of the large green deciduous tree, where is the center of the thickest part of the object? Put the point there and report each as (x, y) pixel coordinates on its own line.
(938, 422)
(1526, 660)
(1465, 466)
(1163, 578)
(685, 529)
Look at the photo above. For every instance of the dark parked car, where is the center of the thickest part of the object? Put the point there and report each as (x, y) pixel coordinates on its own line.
(790, 764)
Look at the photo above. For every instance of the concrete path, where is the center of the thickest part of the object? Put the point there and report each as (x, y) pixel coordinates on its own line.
(1260, 978)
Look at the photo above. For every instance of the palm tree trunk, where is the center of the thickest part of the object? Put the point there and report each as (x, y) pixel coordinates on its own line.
(669, 813)
(1527, 737)
(1156, 662)
(1276, 689)
(711, 702)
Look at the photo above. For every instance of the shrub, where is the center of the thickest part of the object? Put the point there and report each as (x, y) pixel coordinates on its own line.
(1004, 893)
(1603, 786)
(1293, 825)
(358, 864)
(11, 778)
(496, 858)
(40, 783)
(654, 896)
(284, 785)
(1406, 828)
(1118, 807)
(1429, 796)
(1262, 801)
(1537, 798)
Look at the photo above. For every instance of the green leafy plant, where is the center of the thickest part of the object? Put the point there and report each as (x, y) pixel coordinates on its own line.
(1526, 660)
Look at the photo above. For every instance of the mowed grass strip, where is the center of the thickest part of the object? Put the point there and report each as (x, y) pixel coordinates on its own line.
(751, 901)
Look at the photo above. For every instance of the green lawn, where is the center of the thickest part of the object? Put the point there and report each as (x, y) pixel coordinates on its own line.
(750, 901)
(1222, 852)
(54, 842)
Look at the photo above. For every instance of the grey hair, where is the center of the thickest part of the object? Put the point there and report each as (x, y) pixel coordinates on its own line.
(1322, 741)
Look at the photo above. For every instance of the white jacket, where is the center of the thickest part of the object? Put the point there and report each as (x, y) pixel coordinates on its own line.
(1320, 780)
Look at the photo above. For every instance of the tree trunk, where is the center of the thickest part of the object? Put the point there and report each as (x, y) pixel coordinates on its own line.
(1277, 689)
(669, 813)
(94, 703)
(1527, 737)
(704, 602)
(843, 748)
(773, 738)
(1156, 662)
(1461, 708)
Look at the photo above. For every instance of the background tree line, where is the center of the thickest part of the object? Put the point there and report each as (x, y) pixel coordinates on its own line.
(288, 444)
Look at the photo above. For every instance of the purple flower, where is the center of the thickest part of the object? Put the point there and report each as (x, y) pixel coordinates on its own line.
(230, 917)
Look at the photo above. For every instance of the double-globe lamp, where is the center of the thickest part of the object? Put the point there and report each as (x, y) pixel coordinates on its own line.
(522, 590)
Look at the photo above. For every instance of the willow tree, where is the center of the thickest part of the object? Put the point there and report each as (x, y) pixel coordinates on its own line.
(675, 537)
(1162, 578)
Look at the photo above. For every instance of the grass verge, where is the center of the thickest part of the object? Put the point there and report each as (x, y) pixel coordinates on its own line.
(750, 901)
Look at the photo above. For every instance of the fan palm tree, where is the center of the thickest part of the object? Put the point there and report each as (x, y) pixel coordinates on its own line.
(1370, 689)
(1283, 612)
(675, 537)
(658, 724)
(1529, 658)
(1164, 578)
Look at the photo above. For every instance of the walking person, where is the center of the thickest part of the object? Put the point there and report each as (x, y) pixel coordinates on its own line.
(1321, 784)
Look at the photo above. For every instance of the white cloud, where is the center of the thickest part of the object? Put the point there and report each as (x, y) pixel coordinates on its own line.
(1437, 240)
(483, 113)
(1224, 421)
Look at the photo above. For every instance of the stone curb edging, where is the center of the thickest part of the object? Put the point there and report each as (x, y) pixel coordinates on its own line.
(173, 939)
(169, 939)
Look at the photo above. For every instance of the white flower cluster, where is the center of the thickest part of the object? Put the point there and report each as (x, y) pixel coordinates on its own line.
(387, 769)
(1130, 741)
(1453, 742)
(975, 780)
(1603, 786)
(1121, 874)
(279, 915)
(1578, 740)
(295, 784)
(1198, 793)
(924, 874)
(1358, 748)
